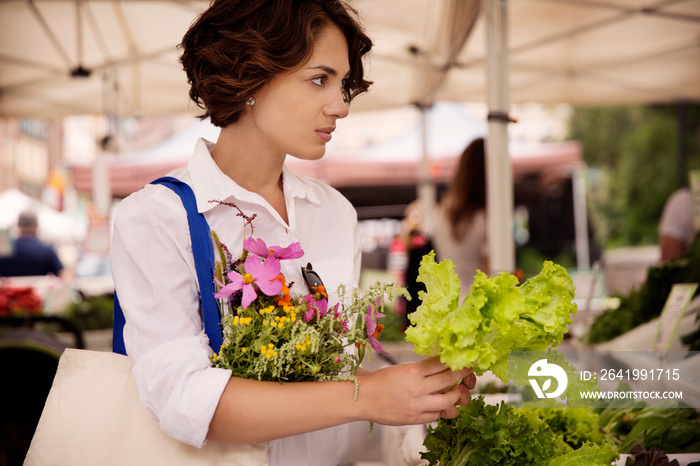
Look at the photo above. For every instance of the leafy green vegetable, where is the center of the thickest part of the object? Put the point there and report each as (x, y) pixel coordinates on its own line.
(92, 313)
(577, 426)
(668, 425)
(499, 318)
(486, 435)
(441, 297)
(645, 303)
(590, 454)
(496, 317)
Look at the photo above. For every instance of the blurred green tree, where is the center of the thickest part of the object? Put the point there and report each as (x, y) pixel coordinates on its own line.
(634, 158)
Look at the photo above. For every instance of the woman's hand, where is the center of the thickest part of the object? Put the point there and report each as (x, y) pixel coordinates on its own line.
(414, 393)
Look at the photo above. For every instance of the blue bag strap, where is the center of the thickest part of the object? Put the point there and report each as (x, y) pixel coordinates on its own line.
(203, 251)
(118, 322)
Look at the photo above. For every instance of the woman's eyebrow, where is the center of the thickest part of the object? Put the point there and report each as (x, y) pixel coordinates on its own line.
(327, 69)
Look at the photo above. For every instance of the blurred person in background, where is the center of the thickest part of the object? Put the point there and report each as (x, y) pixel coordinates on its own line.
(30, 256)
(676, 230)
(417, 243)
(459, 227)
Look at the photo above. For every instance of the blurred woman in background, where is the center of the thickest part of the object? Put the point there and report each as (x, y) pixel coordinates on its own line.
(459, 231)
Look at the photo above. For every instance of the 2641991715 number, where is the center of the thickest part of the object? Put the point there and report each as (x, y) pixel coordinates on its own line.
(639, 374)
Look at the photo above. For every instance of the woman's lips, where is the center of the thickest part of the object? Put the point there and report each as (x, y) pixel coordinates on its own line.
(325, 134)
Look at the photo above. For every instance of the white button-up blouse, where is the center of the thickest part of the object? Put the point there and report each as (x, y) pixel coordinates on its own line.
(155, 279)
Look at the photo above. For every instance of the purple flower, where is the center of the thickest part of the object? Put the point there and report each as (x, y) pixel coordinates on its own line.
(373, 330)
(261, 273)
(259, 248)
(343, 323)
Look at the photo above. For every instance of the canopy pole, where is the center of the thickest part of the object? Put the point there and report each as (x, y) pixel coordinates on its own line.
(499, 173)
(427, 195)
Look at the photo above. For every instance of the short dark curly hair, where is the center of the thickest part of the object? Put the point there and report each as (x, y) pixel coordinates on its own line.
(235, 47)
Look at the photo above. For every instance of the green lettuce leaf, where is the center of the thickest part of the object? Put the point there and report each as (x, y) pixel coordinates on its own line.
(484, 435)
(590, 454)
(577, 426)
(496, 317)
(439, 299)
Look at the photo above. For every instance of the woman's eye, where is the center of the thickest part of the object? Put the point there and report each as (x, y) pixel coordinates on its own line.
(319, 80)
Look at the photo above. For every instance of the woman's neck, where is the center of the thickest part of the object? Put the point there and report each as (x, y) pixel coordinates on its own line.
(247, 163)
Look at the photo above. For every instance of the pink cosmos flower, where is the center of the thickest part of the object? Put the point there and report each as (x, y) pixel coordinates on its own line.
(259, 248)
(263, 274)
(373, 330)
(316, 307)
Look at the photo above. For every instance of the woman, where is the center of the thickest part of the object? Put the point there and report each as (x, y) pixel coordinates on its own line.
(460, 228)
(276, 76)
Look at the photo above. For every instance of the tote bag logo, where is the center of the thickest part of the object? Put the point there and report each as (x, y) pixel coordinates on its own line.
(541, 369)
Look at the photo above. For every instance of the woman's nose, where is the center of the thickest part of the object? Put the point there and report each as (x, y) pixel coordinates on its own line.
(337, 106)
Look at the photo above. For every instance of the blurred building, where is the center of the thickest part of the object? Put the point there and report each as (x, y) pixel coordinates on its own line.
(30, 152)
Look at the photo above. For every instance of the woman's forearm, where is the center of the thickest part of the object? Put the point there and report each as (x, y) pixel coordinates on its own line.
(251, 411)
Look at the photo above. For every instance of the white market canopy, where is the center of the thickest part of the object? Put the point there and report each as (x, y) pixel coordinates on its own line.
(118, 57)
(572, 51)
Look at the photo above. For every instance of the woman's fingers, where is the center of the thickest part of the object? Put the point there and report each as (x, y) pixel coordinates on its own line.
(465, 395)
(432, 365)
(470, 381)
(438, 376)
(447, 389)
(451, 408)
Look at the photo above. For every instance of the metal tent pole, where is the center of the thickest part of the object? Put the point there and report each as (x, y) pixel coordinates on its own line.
(499, 173)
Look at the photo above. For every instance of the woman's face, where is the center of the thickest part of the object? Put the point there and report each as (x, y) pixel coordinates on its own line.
(296, 112)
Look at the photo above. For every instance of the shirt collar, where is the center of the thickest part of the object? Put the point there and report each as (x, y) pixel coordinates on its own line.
(297, 187)
(210, 183)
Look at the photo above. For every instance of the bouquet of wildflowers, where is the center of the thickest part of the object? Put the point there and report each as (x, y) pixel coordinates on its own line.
(269, 334)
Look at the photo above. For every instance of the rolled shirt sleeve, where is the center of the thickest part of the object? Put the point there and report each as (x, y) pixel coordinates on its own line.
(153, 269)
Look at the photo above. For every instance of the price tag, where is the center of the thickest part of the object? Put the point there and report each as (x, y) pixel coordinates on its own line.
(672, 313)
